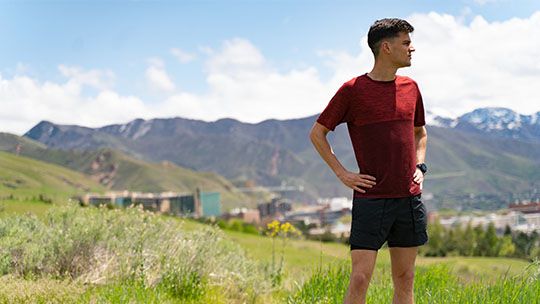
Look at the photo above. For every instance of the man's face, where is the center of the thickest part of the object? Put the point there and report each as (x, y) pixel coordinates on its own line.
(401, 50)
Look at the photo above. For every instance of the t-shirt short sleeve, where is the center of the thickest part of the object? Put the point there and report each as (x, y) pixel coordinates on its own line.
(335, 112)
(419, 115)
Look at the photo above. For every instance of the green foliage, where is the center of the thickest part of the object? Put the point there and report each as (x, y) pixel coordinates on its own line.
(326, 285)
(97, 245)
(479, 242)
(434, 284)
(234, 225)
(436, 242)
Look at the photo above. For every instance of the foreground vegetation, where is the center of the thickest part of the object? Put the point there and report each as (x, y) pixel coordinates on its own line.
(81, 255)
(434, 284)
(115, 255)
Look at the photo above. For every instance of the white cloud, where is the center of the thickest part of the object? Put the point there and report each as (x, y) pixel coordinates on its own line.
(460, 66)
(157, 77)
(483, 2)
(182, 56)
(463, 66)
(99, 79)
(25, 102)
(243, 85)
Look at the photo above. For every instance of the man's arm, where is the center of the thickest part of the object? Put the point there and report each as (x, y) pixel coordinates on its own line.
(350, 179)
(420, 141)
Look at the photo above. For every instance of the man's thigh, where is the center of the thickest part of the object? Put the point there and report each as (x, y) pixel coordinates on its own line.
(403, 260)
(363, 261)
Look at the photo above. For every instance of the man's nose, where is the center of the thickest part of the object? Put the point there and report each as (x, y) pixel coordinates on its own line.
(412, 49)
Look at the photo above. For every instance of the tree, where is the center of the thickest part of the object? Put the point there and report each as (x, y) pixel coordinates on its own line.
(491, 241)
(435, 245)
(468, 242)
(453, 237)
(523, 245)
(507, 230)
(480, 248)
(506, 246)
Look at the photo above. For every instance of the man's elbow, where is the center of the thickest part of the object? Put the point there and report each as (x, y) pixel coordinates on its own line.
(420, 132)
(317, 131)
(313, 135)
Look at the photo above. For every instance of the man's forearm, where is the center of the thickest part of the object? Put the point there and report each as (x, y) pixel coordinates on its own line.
(420, 144)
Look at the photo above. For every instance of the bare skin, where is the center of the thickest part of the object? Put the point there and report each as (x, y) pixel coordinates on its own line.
(394, 53)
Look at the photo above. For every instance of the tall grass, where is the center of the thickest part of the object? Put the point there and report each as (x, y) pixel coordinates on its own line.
(433, 284)
(130, 249)
(93, 255)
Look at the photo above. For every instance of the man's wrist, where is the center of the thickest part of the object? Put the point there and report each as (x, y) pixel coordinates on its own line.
(340, 172)
(422, 167)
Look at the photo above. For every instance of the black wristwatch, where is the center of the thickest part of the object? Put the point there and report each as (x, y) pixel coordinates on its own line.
(422, 168)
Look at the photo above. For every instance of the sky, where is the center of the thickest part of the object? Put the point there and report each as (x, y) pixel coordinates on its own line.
(95, 63)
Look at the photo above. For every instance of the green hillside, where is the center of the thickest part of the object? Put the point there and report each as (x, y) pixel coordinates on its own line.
(29, 185)
(116, 170)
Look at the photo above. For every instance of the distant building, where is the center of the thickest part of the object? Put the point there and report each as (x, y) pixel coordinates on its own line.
(251, 216)
(182, 204)
(276, 207)
(322, 216)
(210, 203)
(528, 207)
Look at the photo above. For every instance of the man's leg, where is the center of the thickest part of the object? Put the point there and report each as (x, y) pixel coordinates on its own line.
(363, 263)
(403, 259)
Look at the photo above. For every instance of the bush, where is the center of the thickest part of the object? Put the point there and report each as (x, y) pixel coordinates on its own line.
(96, 245)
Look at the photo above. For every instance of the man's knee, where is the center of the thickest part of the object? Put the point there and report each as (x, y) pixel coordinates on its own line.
(359, 280)
(404, 279)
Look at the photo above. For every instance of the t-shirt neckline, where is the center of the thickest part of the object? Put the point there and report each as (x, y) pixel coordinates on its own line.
(380, 81)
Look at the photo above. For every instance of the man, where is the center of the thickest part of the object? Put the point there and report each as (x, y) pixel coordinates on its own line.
(385, 118)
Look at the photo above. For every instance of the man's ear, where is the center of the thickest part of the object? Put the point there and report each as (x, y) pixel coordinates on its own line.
(385, 46)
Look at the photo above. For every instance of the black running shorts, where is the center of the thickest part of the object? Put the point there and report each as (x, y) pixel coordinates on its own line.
(400, 221)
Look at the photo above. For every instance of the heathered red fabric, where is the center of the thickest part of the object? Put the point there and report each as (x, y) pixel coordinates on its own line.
(380, 116)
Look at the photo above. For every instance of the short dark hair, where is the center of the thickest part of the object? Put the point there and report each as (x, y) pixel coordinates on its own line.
(386, 28)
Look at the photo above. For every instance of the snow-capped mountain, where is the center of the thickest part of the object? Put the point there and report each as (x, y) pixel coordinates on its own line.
(497, 121)
(436, 120)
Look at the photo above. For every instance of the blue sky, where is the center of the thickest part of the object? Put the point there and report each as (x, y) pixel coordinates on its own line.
(125, 51)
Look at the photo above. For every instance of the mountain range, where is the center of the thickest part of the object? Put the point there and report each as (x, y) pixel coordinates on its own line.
(483, 159)
(497, 121)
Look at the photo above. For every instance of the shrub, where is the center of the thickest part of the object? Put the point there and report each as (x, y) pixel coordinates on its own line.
(97, 245)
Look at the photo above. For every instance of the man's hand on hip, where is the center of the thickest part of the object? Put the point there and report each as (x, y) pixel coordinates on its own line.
(418, 176)
(356, 180)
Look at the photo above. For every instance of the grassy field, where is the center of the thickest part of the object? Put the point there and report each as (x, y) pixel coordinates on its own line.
(314, 272)
(302, 256)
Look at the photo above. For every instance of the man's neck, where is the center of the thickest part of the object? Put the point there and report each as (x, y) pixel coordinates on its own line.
(382, 72)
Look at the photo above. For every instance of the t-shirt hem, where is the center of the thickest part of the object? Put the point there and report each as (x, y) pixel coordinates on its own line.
(398, 195)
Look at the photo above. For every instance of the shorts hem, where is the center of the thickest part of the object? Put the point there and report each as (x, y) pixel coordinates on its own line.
(407, 245)
(354, 247)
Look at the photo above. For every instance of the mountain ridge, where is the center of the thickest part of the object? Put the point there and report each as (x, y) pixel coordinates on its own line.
(276, 152)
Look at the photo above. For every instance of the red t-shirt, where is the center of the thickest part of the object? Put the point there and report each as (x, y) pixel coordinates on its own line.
(380, 116)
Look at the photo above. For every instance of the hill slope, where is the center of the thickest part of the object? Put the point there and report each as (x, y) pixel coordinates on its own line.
(25, 181)
(116, 170)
